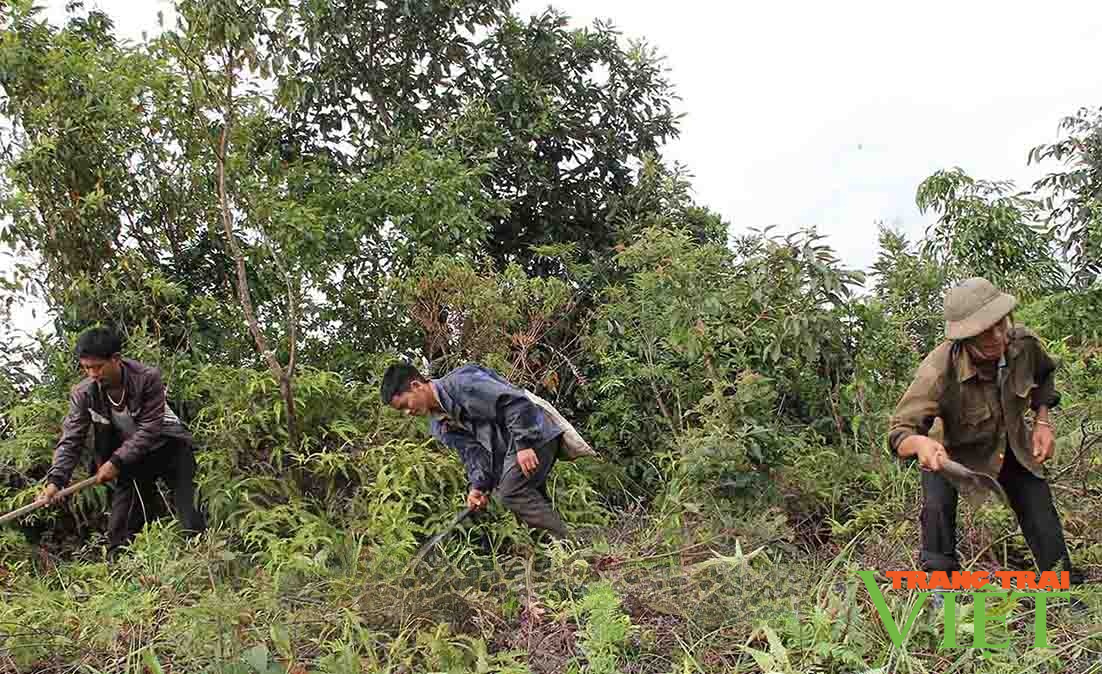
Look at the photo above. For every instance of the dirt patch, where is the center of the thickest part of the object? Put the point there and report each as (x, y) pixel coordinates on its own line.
(663, 627)
(550, 645)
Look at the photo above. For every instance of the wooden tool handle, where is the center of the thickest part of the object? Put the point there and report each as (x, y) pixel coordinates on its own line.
(31, 507)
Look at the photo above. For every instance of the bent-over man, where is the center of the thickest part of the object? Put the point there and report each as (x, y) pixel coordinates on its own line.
(136, 438)
(504, 438)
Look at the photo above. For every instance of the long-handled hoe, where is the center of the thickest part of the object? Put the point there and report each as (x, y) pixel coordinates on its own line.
(463, 514)
(38, 503)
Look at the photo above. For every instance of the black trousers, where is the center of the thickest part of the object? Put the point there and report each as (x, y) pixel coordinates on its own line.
(135, 500)
(527, 497)
(1031, 500)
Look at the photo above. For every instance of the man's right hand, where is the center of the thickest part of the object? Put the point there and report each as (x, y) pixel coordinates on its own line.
(49, 494)
(931, 455)
(476, 500)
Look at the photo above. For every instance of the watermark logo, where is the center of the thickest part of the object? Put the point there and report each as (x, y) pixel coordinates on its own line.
(982, 588)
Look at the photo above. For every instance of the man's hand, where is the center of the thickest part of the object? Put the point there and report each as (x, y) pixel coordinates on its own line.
(528, 461)
(932, 455)
(107, 472)
(49, 494)
(476, 500)
(1044, 442)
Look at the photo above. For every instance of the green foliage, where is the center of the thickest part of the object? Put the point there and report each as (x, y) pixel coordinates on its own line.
(458, 655)
(102, 187)
(1072, 197)
(910, 288)
(898, 323)
(984, 229)
(696, 331)
(535, 98)
(607, 629)
(468, 312)
(447, 181)
(1072, 316)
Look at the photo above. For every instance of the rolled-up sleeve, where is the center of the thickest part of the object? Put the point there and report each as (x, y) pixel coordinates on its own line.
(1045, 394)
(919, 406)
(476, 459)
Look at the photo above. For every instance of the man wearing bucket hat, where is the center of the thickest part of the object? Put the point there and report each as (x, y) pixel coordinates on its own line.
(981, 382)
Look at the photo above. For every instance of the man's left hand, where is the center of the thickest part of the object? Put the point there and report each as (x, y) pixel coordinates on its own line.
(476, 499)
(107, 472)
(528, 461)
(1044, 443)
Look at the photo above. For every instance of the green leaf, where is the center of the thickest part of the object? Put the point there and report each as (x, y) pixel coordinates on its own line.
(257, 658)
(765, 662)
(777, 648)
(281, 637)
(149, 658)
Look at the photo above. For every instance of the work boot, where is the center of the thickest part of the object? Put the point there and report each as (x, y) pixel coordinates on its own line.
(937, 599)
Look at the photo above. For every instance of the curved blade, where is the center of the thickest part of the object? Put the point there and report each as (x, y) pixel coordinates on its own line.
(976, 478)
(463, 514)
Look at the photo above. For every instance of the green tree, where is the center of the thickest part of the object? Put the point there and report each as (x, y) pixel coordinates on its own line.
(1073, 197)
(986, 229)
(690, 321)
(99, 185)
(558, 115)
(216, 41)
(910, 285)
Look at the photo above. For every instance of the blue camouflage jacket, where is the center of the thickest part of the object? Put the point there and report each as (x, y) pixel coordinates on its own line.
(487, 419)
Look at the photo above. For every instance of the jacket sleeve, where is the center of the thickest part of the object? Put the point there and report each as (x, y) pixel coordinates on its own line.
(74, 430)
(476, 458)
(150, 418)
(1045, 394)
(491, 400)
(919, 406)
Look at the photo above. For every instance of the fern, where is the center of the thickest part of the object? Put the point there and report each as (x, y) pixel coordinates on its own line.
(606, 629)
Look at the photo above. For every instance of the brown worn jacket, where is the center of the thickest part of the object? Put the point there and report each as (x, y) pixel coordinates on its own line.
(89, 410)
(979, 418)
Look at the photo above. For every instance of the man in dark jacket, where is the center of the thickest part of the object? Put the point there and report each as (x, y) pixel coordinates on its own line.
(505, 440)
(991, 384)
(136, 438)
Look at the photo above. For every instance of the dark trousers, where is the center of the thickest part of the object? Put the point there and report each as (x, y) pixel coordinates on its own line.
(527, 497)
(1031, 500)
(135, 500)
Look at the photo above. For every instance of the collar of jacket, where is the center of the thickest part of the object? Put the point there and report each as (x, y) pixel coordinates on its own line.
(444, 399)
(128, 379)
(966, 369)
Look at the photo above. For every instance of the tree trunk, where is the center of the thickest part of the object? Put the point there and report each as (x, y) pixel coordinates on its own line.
(243, 295)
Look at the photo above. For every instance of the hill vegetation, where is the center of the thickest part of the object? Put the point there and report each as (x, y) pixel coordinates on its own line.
(274, 199)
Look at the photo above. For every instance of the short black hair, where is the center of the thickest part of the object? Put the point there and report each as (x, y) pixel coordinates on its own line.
(397, 379)
(98, 342)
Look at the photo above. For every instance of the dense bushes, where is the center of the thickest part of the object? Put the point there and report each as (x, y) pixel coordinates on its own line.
(507, 207)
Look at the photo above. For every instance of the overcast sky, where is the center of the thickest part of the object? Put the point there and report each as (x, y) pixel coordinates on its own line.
(830, 114)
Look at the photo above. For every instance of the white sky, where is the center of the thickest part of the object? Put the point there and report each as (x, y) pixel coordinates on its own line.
(830, 114)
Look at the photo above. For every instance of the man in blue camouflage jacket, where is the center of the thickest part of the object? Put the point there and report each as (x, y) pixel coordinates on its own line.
(504, 439)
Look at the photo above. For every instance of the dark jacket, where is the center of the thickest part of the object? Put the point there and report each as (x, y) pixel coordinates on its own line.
(979, 418)
(90, 411)
(487, 419)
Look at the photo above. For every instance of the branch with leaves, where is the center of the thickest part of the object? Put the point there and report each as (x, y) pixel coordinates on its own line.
(229, 35)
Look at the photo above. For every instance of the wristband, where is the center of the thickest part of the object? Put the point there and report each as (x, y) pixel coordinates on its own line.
(1039, 422)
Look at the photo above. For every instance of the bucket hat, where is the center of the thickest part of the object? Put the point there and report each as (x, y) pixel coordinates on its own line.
(974, 306)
